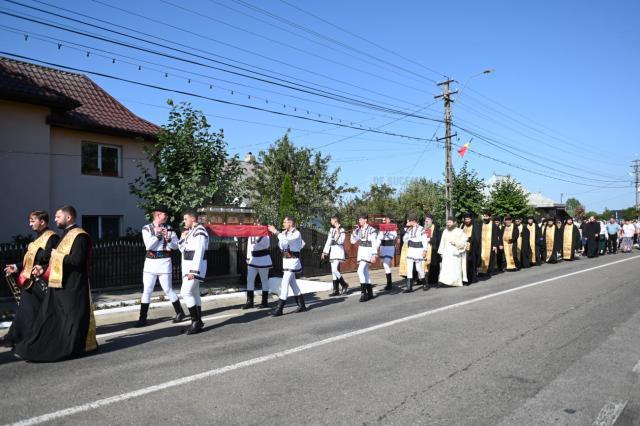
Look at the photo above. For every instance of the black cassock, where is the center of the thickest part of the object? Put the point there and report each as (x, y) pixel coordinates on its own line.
(510, 256)
(527, 254)
(62, 324)
(557, 243)
(494, 242)
(474, 252)
(591, 231)
(434, 266)
(574, 244)
(30, 299)
(500, 260)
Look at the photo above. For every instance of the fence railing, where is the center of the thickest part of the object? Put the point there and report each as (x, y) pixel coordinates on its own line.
(119, 264)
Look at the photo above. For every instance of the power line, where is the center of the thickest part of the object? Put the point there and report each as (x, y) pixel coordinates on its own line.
(363, 39)
(308, 90)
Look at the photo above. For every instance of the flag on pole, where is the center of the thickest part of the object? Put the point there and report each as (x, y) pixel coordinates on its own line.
(462, 151)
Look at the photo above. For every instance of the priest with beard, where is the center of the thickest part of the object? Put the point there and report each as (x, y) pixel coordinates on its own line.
(510, 244)
(65, 326)
(489, 242)
(472, 232)
(570, 240)
(531, 235)
(452, 249)
(591, 232)
(500, 261)
(551, 238)
(432, 258)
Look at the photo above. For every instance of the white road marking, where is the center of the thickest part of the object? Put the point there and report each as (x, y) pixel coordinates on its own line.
(636, 368)
(610, 413)
(248, 363)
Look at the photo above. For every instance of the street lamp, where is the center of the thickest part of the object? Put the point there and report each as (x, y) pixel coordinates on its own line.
(487, 71)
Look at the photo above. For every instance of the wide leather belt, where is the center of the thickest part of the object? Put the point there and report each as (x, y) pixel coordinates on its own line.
(290, 254)
(387, 243)
(415, 244)
(365, 243)
(259, 253)
(158, 254)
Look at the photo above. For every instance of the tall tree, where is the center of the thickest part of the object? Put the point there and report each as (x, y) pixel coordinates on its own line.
(509, 197)
(380, 199)
(316, 191)
(467, 191)
(423, 196)
(287, 203)
(571, 205)
(190, 166)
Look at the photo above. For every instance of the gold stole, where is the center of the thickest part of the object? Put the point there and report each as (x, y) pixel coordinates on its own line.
(532, 241)
(487, 239)
(519, 242)
(507, 242)
(39, 244)
(57, 256)
(427, 259)
(567, 242)
(468, 230)
(550, 232)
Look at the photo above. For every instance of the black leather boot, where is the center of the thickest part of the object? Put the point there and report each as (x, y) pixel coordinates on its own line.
(142, 319)
(249, 303)
(300, 301)
(389, 285)
(179, 312)
(196, 322)
(369, 288)
(425, 284)
(265, 299)
(277, 312)
(364, 296)
(336, 291)
(409, 288)
(344, 285)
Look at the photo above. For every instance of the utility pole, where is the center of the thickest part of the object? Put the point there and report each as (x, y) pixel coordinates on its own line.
(636, 169)
(448, 168)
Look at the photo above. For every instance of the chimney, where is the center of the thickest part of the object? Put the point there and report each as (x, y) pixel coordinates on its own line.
(249, 157)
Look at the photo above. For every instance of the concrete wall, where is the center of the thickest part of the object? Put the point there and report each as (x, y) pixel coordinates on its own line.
(95, 195)
(24, 165)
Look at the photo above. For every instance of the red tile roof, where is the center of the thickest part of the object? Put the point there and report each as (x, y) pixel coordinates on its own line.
(76, 102)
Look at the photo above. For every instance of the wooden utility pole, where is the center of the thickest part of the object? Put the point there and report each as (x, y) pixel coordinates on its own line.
(636, 170)
(448, 168)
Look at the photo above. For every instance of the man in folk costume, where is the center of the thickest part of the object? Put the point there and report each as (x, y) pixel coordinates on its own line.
(334, 249)
(258, 264)
(159, 239)
(500, 260)
(417, 243)
(550, 237)
(64, 327)
(510, 244)
(570, 240)
(387, 243)
(30, 271)
(489, 242)
(432, 258)
(193, 245)
(531, 235)
(290, 243)
(366, 237)
(472, 231)
(453, 250)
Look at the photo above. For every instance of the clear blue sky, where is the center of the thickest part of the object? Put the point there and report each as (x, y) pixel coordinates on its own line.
(565, 85)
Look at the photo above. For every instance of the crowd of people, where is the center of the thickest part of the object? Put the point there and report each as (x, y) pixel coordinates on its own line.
(55, 320)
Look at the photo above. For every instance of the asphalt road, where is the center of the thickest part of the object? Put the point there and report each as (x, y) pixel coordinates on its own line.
(556, 344)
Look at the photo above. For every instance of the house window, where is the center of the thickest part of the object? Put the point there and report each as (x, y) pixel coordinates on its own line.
(101, 160)
(102, 227)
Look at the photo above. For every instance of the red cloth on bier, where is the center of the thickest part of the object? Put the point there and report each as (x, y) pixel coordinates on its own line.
(238, 230)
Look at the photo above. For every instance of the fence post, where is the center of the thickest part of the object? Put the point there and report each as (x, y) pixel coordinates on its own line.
(233, 257)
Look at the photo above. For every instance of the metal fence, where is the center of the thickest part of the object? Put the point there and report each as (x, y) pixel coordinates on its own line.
(119, 264)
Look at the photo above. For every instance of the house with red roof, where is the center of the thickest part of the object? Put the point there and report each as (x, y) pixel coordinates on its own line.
(64, 140)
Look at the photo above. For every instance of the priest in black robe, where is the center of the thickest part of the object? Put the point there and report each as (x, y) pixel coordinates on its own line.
(64, 326)
(472, 230)
(434, 259)
(489, 242)
(570, 240)
(591, 232)
(530, 238)
(500, 261)
(509, 244)
(550, 241)
(33, 266)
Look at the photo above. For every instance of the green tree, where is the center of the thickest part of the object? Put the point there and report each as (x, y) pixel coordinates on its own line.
(316, 191)
(190, 166)
(422, 196)
(571, 205)
(287, 204)
(380, 199)
(508, 197)
(467, 191)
